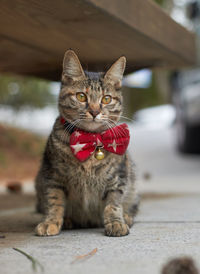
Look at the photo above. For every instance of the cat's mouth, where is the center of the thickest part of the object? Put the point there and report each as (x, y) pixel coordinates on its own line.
(94, 125)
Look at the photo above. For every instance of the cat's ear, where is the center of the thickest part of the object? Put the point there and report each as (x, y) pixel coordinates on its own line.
(115, 74)
(72, 69)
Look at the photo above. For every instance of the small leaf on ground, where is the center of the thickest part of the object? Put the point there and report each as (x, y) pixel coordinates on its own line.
(85, 256)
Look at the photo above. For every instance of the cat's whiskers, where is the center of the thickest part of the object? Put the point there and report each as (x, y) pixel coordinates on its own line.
(109, 125)
(124, 117)
(117, 131)
(69, 127)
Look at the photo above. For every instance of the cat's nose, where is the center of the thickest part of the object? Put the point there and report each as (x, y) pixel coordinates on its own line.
(94, 113)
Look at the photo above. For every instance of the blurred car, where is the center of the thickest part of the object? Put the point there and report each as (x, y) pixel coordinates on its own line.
(186, 98)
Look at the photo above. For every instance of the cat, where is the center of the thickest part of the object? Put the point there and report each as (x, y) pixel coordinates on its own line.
(180, 265)
(90, 193)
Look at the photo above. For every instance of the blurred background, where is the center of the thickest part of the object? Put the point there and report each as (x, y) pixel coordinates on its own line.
(162, 109)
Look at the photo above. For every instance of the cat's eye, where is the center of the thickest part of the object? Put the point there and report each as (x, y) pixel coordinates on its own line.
(81, 97)
(106, 99)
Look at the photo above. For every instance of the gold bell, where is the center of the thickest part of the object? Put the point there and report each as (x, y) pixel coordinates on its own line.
(99, 155)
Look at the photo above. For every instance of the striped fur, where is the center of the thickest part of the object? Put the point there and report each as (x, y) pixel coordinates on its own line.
(92, 193)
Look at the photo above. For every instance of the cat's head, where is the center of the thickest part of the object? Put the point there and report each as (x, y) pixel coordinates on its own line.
(90, 101)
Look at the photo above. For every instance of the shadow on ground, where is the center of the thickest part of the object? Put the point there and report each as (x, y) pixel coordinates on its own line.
(18, 213)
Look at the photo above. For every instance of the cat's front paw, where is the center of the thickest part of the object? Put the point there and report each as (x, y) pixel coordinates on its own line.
(128, 220)
(47, 229)
(116, 229)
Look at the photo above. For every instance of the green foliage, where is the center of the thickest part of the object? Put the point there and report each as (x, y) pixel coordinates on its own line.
(137, 98)
(19, 92)
(159, 2)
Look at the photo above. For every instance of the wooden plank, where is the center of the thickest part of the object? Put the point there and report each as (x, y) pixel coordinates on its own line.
(150, 20)
(16, 56)
(35, 34)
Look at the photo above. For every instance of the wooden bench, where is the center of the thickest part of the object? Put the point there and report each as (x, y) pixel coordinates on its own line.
(34, 35)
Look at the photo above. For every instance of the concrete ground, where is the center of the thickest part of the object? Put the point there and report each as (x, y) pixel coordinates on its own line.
(168, 224)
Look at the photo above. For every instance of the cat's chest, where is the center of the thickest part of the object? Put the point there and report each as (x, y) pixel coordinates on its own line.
(86, 194)
(90, 169)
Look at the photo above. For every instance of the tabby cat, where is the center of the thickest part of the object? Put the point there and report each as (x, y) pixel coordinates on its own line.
(93, 192)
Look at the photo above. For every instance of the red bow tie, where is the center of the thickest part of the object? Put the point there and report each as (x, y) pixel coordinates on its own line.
(83, 143)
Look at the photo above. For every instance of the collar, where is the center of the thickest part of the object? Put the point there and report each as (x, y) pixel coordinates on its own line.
(69, 126)
(83, 144)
